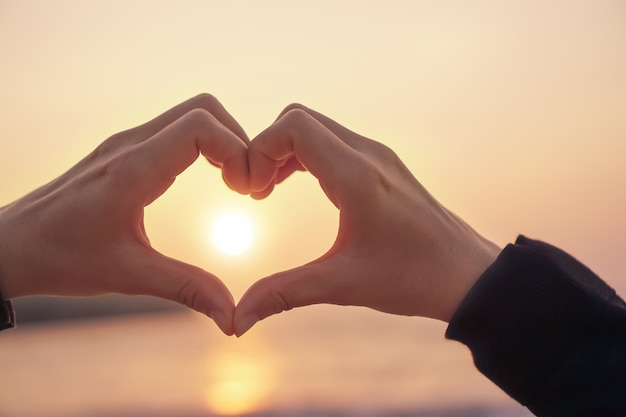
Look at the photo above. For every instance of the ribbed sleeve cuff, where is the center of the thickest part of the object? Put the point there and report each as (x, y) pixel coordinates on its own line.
(525, 312)
(7, 314)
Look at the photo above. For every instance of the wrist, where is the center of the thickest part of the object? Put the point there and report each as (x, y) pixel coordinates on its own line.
(7, 290)
(7, 314)
(3, 289)
(475, 255)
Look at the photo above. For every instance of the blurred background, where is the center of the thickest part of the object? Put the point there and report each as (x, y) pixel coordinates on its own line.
(510, 113)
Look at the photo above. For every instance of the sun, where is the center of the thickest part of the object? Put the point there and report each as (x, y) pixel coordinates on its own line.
(232, 233)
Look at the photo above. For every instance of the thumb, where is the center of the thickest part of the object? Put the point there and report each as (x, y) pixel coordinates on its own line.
(302, 286)
(191, 286)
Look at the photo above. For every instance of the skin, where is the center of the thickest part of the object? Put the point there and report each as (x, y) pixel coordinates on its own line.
(83, 233)
(397, 249)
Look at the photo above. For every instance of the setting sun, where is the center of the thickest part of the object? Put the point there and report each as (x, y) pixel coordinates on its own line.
(232, 233)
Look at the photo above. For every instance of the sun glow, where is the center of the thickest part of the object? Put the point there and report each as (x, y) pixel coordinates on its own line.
(239, 385)
(232, 233)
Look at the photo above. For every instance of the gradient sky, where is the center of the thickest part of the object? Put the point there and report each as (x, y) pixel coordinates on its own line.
(513, 114)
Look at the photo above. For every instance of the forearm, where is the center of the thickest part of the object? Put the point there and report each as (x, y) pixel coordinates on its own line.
(548, 331)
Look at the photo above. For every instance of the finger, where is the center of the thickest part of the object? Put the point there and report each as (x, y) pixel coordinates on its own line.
(174, 148)
(282, 173)
(260, 195)
(167, 278)
(291, 166)
(202, 101)
(297, 134)
(377, 152)
(351, 138)
(306, 285)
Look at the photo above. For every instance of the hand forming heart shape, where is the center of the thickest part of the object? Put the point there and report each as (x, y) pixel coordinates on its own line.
(397, 249)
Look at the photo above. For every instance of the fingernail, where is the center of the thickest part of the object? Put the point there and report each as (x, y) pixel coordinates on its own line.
(245, 324)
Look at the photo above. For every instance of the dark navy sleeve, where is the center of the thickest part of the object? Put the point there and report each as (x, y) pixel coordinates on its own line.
(7, 315)
(548, 331)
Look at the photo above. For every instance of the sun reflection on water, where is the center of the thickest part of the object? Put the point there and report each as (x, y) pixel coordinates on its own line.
(238, 382)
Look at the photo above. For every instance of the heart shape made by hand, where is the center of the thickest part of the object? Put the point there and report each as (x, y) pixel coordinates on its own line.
(83, 233)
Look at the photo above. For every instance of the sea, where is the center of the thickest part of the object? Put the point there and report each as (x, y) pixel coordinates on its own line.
(310, 362)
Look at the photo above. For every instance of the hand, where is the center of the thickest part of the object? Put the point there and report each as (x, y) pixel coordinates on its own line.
(83, 233)
(397, 249)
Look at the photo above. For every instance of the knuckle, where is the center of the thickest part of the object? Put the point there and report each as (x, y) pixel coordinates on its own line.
(109, 176)
(279, 302)
(206, 101)
(391, 159)
(110, 162)
(380, 156)
(198, 115)
(293, 106)
(198, 120)
(188, 294)
(119, 167)
(295, 117)
(386, 153)
(277, 295)
(110, 145)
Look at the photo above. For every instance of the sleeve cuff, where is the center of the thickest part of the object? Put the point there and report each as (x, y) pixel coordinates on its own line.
(7, 314)
(525, 312)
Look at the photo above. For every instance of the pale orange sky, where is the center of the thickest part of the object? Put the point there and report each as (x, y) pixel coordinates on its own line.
(511, 113)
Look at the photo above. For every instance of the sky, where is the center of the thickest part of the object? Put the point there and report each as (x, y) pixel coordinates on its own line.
(510, 113)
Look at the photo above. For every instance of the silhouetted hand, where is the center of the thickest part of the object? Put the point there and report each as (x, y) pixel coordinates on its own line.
(83, 233)
(397, 249)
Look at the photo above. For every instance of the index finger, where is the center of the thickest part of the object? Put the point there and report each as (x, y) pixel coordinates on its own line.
(352, 139)
(202, 101)
(297, 134)
(169, 152)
